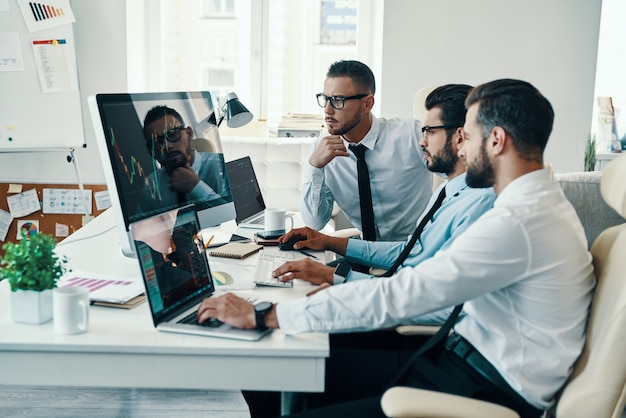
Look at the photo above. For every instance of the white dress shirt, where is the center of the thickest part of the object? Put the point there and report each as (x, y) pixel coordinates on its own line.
(400, 181)
(523, 270)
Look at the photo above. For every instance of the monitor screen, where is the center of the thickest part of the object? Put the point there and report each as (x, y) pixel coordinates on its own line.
(161, 151)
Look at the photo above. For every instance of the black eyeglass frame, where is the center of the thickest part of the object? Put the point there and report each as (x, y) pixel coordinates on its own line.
(172, 135)
(335, 100)
(427, 128)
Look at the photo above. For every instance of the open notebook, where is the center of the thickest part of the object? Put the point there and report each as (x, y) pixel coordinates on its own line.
(177, 276)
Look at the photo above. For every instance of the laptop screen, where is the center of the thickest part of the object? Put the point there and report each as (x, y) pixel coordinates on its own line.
(173, 261)
(244, 188)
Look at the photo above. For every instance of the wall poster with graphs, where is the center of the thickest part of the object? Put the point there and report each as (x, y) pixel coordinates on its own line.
(41, 104)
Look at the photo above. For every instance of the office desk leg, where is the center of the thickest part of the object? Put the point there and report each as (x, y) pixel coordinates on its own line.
(285, 403)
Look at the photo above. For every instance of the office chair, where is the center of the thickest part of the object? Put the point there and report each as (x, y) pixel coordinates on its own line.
(597, 386)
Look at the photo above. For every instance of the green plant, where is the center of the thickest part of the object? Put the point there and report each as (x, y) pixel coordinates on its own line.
(590, 153)
(31, 264)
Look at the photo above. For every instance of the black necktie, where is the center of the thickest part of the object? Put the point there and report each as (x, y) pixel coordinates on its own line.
(418, 231)
(365, 193)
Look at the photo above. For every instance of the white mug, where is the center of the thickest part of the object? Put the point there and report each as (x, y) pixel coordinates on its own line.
(70, 309)
(275, 220)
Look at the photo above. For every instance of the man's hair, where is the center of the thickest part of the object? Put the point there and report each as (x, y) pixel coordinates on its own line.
(450, 98)
(359, 73)
(159, 112)
(520, 109)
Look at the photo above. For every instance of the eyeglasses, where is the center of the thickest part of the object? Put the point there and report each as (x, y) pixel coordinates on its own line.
(172, 135)
(336, 102)
(428, 130)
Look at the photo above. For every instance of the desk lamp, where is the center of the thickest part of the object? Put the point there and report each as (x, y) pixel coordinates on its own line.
(236, 114)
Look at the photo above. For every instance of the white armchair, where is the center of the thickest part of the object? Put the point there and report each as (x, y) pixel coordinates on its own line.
(597, 386)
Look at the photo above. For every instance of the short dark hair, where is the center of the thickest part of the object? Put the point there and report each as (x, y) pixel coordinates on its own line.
(159, 112)
(450, 98)
(359, 73)
(520, 109)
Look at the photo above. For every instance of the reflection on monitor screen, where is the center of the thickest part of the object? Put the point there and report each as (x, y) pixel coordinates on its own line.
(152, 162)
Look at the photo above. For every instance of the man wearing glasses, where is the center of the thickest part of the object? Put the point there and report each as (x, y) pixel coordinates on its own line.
(400, 182)
(185, 175)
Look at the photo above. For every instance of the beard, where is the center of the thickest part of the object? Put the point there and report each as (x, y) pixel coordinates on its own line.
(445, 161)
(480, 173)
(344, 127)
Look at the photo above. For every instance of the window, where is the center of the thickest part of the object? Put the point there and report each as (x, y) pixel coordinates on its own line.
(611, 66)
(273, 53)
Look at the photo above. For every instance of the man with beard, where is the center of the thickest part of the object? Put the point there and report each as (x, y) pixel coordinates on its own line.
(521, 272)
(186, 175)
(443, 137)
(399, 180)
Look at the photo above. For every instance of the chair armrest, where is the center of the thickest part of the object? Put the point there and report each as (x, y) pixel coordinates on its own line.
(403, 402)
(417, 329)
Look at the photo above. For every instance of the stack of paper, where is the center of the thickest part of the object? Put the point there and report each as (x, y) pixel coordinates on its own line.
(105, 290)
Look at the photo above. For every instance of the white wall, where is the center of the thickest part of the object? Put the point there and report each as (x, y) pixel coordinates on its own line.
(551, 44)
(100, 35)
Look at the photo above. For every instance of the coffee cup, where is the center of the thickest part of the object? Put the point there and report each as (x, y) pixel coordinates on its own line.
(70, 309)
(275, 219)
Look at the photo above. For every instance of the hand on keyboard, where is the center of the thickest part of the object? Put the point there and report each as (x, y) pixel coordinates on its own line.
(267, 264)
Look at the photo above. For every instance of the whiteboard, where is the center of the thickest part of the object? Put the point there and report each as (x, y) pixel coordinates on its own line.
(29, 117)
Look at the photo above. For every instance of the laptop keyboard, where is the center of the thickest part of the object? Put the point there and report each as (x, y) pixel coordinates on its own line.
(192, 319)
(267, 264)
(259, 220)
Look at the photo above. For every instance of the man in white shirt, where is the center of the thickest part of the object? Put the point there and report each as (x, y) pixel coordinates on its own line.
(522, 270)
(400, 182)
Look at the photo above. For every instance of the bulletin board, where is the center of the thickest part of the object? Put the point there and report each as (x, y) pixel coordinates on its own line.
(41, 104)
(47, 222)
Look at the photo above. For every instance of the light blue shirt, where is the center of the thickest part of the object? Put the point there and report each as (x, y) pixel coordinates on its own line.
(461, 207)
(400, 181)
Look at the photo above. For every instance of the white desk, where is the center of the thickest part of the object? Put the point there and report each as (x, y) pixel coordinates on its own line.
(123, 349)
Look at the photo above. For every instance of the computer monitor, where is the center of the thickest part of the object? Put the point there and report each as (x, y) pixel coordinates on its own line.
(154, 168)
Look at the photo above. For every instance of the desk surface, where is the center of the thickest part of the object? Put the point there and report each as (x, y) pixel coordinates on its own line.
(122, 347)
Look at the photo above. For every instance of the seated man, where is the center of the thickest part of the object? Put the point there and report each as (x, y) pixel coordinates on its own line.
(185, 175)
(399, 182)
(443, 137)
(522, 272)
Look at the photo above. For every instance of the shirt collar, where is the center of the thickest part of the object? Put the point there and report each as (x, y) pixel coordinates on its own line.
(196, 161)
(527, 183)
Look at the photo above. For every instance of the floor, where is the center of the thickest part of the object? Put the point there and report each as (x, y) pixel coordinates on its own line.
(72, 402)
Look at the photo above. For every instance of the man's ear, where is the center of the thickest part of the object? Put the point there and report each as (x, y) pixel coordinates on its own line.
(369, 103)
(497, 140)
(460, 136)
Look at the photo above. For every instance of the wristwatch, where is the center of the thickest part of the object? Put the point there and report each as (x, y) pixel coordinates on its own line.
(260, 310)
(341, 273)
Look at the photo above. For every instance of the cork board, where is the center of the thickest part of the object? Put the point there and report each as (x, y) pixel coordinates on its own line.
(47, 221)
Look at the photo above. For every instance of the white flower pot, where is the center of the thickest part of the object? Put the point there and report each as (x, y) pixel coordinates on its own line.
(31, 307)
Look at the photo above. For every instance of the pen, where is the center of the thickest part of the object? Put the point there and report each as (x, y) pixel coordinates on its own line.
(208, 242)
(307, 254)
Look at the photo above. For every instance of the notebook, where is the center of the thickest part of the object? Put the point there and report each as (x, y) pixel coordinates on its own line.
(247, 197)
(237, 250)
(177, 281)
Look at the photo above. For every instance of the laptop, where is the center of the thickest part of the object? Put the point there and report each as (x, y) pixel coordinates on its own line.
(177, 281)
(247, 197)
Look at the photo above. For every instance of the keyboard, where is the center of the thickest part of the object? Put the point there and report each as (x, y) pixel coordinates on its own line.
(192, 319)
(267, 264)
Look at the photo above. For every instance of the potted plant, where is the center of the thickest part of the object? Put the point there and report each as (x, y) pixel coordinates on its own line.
(590, 153)
(32, 268)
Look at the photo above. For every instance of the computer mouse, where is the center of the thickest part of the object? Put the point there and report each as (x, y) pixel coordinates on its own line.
(288, 245)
